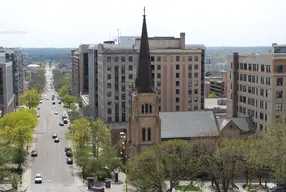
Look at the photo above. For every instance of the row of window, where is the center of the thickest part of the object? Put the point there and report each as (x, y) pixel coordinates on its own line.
(255, 67)
(253, 90)
(253, 113)
(255, 79)
(158, 58)
(253, 102)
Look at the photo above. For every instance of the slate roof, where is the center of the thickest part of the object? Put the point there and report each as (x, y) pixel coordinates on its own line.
(188, 124)
(245, 124)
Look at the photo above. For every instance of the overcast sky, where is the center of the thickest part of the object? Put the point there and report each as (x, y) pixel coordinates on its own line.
(68, 23)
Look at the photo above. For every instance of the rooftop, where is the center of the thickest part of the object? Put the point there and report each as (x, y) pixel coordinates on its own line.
(215, 103)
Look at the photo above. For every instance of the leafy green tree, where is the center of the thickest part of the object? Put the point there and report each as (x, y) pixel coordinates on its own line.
(100, 135)
(17, 130)
(30, 98)
(69, 100)
(79, 133)
(172, 160)
(64, 90)
(212, 95)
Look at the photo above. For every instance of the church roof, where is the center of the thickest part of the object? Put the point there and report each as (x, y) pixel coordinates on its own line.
(144, 81)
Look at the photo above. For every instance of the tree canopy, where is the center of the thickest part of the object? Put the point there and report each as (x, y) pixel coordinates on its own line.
(30, 98)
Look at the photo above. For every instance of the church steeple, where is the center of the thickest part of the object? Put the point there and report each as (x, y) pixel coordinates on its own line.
(144, 82)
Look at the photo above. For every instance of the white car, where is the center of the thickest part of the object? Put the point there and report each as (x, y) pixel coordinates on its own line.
(38, 178)
(41, 101)
(55, 136)
(38, 114)
(56, 112)
(61, 123)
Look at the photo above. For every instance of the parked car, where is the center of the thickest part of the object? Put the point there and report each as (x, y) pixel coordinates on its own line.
(34, 153)
(69, 161)
(69, 154)
(65, 121)
(67, 149)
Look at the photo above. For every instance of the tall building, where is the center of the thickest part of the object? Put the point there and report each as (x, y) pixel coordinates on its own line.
(80, 70)
(257, 86)
(144, 129)
(15, 55)
(7, 103)
(178, 71)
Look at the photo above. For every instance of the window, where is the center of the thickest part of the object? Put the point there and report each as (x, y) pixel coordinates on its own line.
(122, 59)
(177, 99)
(146, 108)
(130, 58)
(278, 106)
(190, 58)
(116, 59)
(177, 108)
(149, 134)
(279, 81)
(190, 67)
(262, 68)
(177, 83)
(109, 119)
(108, 85)
(196, 58)
(177, 58)
(108, 94)
(279, 94)
(279, 68)
(109, 111)
(177, 75)
(152, 58)
(130, 76)
(159, 58)
(158, 67)
(196, 75)
(177, 91)
(158, 83)
(109, 76)
(177, 67)
(261, 115)
(158, 75)
(108, 68)
(108, 59)
(196, 67)
(143, 134)
(130, 67)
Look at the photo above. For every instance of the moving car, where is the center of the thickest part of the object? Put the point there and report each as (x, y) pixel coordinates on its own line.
(55, 136)
(34, 153)
(61, 123)
(54, 103)
(60, 102)
(56, 112)
(57, 140)
(69, 161)
(41, 101)
(38, 178)
(38, 114)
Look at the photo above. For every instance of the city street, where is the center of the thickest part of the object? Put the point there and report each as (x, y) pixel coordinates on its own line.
(51, 159)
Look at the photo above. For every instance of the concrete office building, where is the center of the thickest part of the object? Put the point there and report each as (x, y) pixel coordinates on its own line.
(257, 86)
(7, 103)
(15, 55)
(178, 72)
(80, 70)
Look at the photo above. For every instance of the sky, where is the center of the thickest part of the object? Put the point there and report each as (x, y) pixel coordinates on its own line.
(69, 23)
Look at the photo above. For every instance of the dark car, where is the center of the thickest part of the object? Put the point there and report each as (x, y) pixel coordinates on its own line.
(55, 136)
(60, 102)
(69, 161)
(65, 121)
(69, 154)
(56, 140)
(34, 153)
(54, 103)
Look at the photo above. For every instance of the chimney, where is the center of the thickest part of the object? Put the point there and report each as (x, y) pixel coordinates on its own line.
(183, 40)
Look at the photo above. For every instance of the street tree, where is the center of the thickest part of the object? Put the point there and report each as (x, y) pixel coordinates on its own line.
(69, 100)
(79, 133)
(100, 135)
(220, 159)
(64, 90)
(170, 161)
(17, 131)
(30, 98)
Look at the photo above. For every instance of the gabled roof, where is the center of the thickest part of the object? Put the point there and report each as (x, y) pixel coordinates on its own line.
(188, 124)
(245, 124)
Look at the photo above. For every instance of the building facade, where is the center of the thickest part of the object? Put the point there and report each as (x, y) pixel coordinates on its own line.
(216, 85)
(257, 86)
(75, 73)
(7, 103)
(178, 71)
(16, 57)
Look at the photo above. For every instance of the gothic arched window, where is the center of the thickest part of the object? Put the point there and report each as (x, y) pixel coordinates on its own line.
(146, 108)
(143, 134)
(149, 134)
(150, 108)
(142, 109)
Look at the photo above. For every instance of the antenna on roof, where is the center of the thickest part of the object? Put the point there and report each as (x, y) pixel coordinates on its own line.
(118, 38)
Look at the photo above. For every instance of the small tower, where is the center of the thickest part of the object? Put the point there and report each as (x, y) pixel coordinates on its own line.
(144, 128)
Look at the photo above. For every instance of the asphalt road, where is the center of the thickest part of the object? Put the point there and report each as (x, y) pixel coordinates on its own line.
(51, 159)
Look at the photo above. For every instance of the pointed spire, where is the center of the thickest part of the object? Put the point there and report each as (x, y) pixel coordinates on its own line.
(144, 82)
